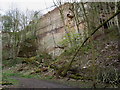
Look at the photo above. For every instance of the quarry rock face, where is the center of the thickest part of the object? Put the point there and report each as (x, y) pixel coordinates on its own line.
(51, 29)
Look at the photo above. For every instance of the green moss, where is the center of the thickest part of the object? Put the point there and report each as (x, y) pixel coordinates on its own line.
(6, 83)
(76, 77)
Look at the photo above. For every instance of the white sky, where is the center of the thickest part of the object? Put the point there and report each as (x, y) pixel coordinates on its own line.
(32, 4)
(25, 4)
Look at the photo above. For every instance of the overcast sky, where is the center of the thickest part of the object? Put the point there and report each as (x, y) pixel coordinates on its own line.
(35, 5)
(25, 4)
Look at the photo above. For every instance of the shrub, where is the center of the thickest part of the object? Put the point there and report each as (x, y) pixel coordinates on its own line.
(109, 75)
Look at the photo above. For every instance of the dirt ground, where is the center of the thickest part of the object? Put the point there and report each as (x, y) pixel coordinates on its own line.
(36, 83)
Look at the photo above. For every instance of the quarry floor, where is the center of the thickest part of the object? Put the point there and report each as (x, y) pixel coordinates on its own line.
(36, 83)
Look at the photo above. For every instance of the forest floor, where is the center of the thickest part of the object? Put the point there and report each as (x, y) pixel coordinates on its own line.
(28, 74)
(38, 81)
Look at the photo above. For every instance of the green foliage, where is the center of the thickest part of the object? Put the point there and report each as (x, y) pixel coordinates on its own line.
(72, 50)
(38, 59)
(45, 58)
(30, 76)
(28, 48)
(9, 73)
(69, 51)
(6, 78)
(31, 60)
(74, 37)
(7, 22)
(87, 48)
(109, 75)
(113, 33)
(12, 62)
(44, 55)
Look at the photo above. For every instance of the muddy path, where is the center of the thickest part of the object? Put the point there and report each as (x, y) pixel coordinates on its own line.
(37, 83)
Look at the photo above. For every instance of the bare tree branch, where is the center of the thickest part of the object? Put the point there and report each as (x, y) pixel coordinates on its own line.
(118, 12)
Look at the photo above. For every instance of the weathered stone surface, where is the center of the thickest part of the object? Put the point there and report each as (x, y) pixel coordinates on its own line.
(51, 29)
